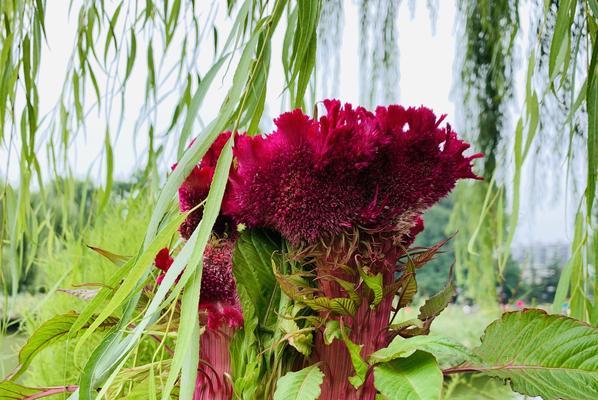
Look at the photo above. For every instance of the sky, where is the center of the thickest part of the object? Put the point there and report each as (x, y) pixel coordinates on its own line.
(426, 64)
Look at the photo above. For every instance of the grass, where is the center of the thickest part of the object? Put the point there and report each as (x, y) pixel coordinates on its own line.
(119, 229)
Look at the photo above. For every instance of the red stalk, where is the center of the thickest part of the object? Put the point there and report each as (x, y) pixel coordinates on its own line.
(213, 379)
(368, 328)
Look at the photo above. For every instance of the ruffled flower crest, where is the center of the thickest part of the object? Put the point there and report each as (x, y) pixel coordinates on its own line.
(312, 180)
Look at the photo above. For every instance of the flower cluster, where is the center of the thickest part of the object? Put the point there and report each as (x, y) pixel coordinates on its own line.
(218, 299)
(347, 192)
(195, 188)
(311, 180)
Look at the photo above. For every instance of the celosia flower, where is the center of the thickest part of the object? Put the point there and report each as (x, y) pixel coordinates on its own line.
(218, 297)
(163, 262)
(353, 169)
(196, 186)
(352, 187)
(218, 288)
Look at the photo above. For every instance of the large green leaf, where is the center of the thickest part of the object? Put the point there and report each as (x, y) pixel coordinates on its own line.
(437, 345)
(416, 377)
(12, 391)
(542, 355)
(49, 333)
(252, 259)
(300, 385)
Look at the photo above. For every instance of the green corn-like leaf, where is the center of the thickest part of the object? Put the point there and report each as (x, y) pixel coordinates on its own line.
(254, 254)
(186, 353)
(13, 391)
(49, 333)
(137, 271)
(551, 356)
(416, 377)
(300, 385)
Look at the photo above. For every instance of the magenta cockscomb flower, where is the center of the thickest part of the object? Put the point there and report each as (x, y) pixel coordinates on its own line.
(218, 288)
(196, 186)
(348, 192)
(353, 169)
(218, 302)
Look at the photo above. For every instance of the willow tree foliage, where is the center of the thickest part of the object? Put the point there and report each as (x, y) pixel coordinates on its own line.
(288, 293)
(558, 97)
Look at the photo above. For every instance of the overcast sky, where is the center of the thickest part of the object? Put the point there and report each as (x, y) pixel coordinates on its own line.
(426, 77)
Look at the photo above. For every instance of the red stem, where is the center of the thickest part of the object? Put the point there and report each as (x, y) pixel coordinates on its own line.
(52, 391)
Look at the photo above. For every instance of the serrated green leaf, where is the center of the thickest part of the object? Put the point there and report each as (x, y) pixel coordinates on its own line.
(332, 331)
(551, 356)
(253, 256)
(437, 303)
(359, 365)
(408, 287)
(414, 378)
(339, 305)
(437, 345)
(374, 282)
(300, 385)
(49, 333)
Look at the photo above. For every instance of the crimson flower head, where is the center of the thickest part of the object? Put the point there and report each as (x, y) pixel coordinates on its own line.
(311, 180)
(218, 297)
(218, 287)
(196, 186)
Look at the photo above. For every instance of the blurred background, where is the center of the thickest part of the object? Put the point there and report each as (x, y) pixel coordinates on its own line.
(99, 98)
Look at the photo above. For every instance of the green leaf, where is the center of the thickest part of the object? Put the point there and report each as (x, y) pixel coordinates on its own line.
(49, 333)
(437, 303)
(551, 356)
(339, 305)
(332, 331)
(186, 352)
(360, 366)
(437, 345)
(116, 259)
(300, 385)
(131, 56)
(374, 282)
(137, 271)
(12, 391)
(253, 256)
(592, 107)
(408, 288)
(561, 38)
(414, 378)
(300, 339)
(109, 172)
